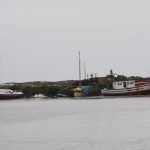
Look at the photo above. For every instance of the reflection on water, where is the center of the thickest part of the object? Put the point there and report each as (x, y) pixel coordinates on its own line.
(68, 124)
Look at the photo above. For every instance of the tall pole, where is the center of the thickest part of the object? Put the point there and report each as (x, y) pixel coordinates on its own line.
(84, 70)
(79, 67)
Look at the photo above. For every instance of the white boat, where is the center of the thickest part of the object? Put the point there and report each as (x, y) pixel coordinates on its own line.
(10, 94)
(78, 94)
(39, 96)
(127, 88)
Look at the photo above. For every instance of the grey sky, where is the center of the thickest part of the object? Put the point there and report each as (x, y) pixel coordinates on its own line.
(40, 40)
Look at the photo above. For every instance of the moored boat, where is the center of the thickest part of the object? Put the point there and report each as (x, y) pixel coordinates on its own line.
(127, 88)
(81, 91)
(39, 96)
(10, 94)
(78, 92)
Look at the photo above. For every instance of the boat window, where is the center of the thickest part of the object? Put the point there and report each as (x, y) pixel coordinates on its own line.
(120, 83)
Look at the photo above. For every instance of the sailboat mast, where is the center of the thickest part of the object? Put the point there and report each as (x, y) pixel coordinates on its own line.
(79, 67)
(85, 70)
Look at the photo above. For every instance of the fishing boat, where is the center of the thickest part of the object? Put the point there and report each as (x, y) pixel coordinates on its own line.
(10, 94)
(127, 88)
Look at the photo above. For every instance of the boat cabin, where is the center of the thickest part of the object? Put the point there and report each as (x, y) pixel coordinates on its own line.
(123, 84)
(6, 91)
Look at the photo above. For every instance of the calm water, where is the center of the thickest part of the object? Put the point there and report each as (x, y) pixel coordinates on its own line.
(104, 124)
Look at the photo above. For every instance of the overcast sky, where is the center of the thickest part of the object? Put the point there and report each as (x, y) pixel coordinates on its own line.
(40, 39)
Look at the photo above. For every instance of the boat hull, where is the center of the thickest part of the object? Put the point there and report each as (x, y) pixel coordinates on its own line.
(78, 94)
(139, 90)
(10, 96)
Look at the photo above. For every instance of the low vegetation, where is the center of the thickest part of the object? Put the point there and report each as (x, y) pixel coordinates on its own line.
(52, 89)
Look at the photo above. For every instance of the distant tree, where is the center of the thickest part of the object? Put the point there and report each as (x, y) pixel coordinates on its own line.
(121, 78)
(94, 91)
(51, 91)
(136, 78)
(75, 84)
(16, 87)
(67, 91)
(29, 91)
(84, 82)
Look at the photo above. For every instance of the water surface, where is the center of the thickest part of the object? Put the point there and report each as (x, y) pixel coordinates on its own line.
(70, 124)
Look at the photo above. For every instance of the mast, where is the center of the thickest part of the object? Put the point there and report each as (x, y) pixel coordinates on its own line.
(85, 70)
(79, 67)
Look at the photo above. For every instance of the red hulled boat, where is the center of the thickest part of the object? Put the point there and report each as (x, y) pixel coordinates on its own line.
(127, 88)
(10, 94)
